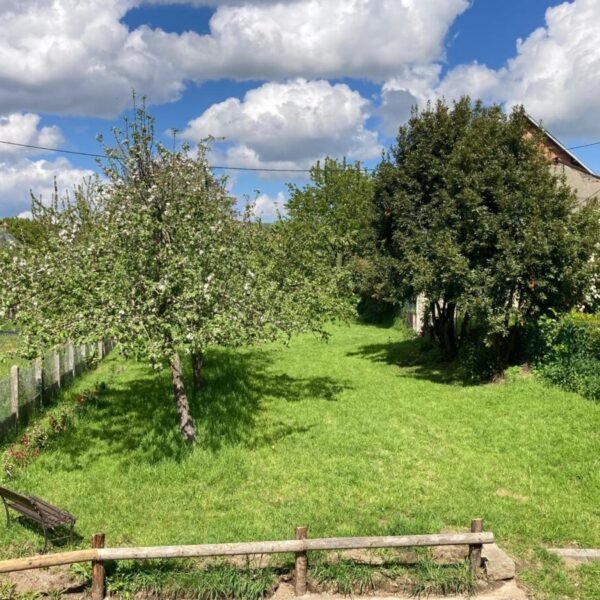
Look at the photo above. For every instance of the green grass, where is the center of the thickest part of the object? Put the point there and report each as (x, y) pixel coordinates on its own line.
(364, 435)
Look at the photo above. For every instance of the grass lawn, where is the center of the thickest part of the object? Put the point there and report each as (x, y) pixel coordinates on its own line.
(365, 434)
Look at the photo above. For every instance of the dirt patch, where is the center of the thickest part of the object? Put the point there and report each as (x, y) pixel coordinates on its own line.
(447, 555)
(505, 591)
(54, 579)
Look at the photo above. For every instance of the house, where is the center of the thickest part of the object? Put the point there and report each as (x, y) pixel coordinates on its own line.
(578, 176)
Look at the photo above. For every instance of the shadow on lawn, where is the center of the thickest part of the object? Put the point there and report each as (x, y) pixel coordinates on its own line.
(137, 421)
(420, 359)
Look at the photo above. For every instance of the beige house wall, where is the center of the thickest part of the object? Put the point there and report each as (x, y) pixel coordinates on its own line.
(586, 186)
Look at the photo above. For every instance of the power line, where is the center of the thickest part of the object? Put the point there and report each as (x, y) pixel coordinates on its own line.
(585, 145)
(53, 149)
(91, 154)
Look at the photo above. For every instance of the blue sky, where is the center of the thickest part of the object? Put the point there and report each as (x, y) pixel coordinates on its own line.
(286, 82)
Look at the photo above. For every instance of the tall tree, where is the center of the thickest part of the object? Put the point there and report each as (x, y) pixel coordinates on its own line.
(338, 202)
(471, 216)
(158, 258)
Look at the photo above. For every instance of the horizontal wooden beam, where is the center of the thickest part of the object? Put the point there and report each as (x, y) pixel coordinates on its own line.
(47, 560)
(582, 554)
(245, 548)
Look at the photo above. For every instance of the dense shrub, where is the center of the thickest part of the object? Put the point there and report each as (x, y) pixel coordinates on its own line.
(566, 350)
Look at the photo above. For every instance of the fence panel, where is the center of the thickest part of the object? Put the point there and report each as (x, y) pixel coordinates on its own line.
(40, 381)
(5, 408)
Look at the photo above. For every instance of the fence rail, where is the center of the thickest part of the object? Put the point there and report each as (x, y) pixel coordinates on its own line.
(97, 555)
(29, 387)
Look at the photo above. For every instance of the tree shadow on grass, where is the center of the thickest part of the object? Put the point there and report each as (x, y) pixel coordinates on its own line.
(418, 358)
(235, 390)
(135, 421)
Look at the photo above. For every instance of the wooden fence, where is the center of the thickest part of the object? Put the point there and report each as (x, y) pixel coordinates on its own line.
(29, 387)
(97, 555)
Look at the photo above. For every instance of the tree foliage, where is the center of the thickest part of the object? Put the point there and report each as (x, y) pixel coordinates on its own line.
(26, 231)
(158, 258)
(471, 216)
(339, 204)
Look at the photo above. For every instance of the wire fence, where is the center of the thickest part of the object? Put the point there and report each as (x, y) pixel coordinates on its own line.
(29, 387)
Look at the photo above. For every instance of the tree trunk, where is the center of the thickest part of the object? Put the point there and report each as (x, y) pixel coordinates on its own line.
(197, 366)
(464, 328)
(450, 330)
(444, 328)
(186, 423)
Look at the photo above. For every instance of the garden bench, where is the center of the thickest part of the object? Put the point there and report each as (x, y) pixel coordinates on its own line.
(45, 514)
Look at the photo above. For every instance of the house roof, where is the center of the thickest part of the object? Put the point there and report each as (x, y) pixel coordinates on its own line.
(575, 162)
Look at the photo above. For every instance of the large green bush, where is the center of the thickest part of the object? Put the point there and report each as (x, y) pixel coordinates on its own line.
(567, 352)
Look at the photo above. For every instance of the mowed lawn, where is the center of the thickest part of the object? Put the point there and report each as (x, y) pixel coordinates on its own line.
(364, 434)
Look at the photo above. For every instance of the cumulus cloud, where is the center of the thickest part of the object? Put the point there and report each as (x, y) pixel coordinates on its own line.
(268, 208)
(20, 178)
(314, 38)
(555, 74)
(24, 129)
(78, 57)
(287, 125)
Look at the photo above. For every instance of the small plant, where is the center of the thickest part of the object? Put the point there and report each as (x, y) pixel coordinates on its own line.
(432, 578)
(82, 572)
(8, 591)
(37, 436)
(175, 580)
(346, 577)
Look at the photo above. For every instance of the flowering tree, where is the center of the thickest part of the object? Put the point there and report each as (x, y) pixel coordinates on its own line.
(157, 258)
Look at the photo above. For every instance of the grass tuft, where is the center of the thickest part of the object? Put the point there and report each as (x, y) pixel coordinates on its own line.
(171, 581)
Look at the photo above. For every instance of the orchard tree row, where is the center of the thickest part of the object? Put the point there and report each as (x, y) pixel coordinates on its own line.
(156, 256)
(463, 210)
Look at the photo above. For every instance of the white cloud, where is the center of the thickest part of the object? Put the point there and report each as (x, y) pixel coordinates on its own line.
(314, 38)
(555, 74)
(21, 177)
(289, 125)
(268, 208)
(24, 129)
(77, 57)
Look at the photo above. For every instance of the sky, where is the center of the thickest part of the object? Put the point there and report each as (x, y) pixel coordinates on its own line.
(279, 83)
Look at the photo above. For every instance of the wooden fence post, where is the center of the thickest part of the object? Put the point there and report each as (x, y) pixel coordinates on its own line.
(71, 360)
(14, 392)
(39, 380)
(301, 564)
(100, 350)
(475, 549)
(98, 575)
(56, 362)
